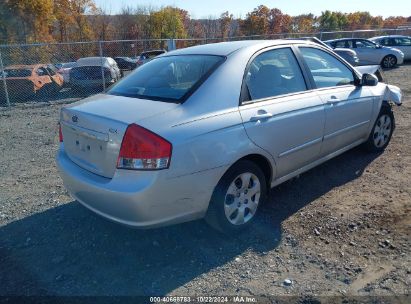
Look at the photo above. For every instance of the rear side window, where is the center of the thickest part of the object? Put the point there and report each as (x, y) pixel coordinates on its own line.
(272, 73)
(403, 41)
(326, 70)
(169, 78)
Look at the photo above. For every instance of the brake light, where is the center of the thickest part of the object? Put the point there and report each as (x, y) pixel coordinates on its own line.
(142, 149)
(60, 134)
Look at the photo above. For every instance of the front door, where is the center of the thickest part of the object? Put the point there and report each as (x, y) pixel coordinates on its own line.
(348, 108)
(279, 114)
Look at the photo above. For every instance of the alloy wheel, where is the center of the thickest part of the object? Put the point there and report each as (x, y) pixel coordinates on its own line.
(389, 61)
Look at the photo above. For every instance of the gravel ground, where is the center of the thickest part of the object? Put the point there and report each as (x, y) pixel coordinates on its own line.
(341, 229)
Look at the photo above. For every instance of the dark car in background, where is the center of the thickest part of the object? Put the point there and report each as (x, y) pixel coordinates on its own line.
(125, 63)
(149, 55)
(88, 73)
(64, 70)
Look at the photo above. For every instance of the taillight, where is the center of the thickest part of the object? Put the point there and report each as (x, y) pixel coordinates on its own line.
(142, 149)
(60, 134)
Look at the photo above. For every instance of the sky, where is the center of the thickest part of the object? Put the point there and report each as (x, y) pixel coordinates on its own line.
(206, 8)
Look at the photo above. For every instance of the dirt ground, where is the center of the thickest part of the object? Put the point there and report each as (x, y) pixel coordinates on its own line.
(341, 229)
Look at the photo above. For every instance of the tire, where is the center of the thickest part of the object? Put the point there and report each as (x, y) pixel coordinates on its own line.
(389, 61)
(233, 207)
(382, 130)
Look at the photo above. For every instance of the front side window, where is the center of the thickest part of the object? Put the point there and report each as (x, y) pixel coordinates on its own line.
(42, 72)
(272, 73)
(364, 44)
(326, 70)
(167, 78)
(341, 44)
(386, 41)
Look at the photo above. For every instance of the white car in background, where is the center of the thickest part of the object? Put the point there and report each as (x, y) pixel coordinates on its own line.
(403, 43)
(88, 73)
(370, 52)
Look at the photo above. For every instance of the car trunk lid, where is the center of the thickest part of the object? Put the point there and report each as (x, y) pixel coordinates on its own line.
(93, 129)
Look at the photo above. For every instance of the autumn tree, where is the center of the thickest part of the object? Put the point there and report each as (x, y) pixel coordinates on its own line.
(256, 22)
(226, 20)
(332, 21)
(33, 17)
(168, 23)
(303, 23)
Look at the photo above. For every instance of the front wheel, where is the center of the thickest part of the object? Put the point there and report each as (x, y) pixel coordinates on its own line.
(237, 197)
(382, 131)
(389, 61)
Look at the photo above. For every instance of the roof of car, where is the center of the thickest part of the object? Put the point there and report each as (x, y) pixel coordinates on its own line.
(390, 36)
(154, 51)
(93, 61)
(345, 39)
(226, 48)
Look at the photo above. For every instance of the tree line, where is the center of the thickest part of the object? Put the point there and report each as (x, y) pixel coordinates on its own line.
(29, 21)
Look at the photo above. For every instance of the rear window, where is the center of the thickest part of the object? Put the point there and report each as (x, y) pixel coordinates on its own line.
(86, 72)
(68, 65)
(170, 78)
(17, 73)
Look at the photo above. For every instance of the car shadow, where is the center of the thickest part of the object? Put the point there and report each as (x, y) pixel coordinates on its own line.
(67, 250)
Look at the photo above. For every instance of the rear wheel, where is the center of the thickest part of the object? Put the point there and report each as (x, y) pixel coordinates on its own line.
(389, 61)
(237, 197)
(381, 133)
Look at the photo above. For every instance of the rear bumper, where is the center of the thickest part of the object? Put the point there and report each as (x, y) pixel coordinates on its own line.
(141, 199)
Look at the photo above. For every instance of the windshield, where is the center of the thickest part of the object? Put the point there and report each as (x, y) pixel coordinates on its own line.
(170, 78)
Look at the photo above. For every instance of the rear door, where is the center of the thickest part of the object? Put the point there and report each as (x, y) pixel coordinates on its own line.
(278, 112)
(348, 108)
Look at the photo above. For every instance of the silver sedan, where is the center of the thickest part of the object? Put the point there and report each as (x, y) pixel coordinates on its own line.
(369, 52)
(206, 131)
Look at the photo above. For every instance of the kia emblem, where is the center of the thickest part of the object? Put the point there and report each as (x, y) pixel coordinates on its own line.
(74, 118)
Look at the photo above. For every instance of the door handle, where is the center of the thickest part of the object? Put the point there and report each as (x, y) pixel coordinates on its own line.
(261, 115)
(333, 100)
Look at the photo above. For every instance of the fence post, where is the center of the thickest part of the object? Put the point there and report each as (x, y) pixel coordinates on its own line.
(6, 93)
(352, 34)
(101, 62)
(321, 35)
(171, 44)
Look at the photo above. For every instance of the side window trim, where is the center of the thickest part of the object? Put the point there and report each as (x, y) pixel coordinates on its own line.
(314, 85)
(245, 98)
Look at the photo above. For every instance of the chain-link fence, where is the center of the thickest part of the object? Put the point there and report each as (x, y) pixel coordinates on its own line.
(70, 71)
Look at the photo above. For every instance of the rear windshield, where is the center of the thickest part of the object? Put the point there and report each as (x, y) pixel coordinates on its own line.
(86, 72)
(68, 65)
(17, 73)
(170, 78)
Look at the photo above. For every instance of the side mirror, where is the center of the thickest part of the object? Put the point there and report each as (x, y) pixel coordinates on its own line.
(369, 80)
